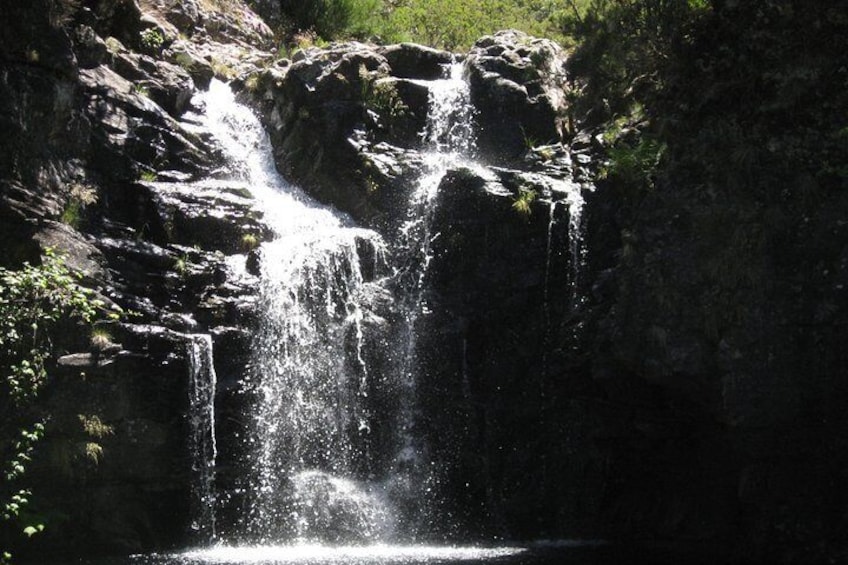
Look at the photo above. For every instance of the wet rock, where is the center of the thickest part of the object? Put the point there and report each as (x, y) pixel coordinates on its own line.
(213, 215)
(312, 108)
(397, 110)
(170, 86)
(90, 48)
(77, 253)
(135, 132)
(518, 86)
(184, 54)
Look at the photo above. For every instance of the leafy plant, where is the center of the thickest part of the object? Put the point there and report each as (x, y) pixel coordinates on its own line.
(152, 40)
(94, 427)
(635, 163)
(384, 99)
(148, 176)
(36, 302)
(181, 265)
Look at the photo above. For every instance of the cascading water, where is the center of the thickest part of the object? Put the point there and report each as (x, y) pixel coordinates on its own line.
(570, 195)
(310, 476)
(449, 140)
(202, 383)
(310, 471)
(308, 380)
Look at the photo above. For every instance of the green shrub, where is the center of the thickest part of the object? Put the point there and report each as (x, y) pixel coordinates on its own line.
(635, 163)
(333, 18)
(152, 40)
(37, 303)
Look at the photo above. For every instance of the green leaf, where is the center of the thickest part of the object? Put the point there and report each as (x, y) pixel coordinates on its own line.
(30, 531)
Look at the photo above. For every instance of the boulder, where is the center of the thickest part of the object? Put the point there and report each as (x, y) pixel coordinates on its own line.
(211, 215)
(134, 132)
(518, 87)
(78, 253)
(313, 111)
(410, 60)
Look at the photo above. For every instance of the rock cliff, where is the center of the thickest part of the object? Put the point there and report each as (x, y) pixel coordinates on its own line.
(100, 159)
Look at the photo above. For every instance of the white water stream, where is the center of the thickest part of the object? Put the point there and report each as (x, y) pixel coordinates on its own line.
(202, 383)
(308, 377)
(307, 436)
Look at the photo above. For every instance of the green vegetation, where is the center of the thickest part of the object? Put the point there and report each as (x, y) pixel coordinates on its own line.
(448, 24)
(333, 18)
(732, 115)
(100, 339)
(223, 69)
(382, 97)
(37, 304)
(249, 242)
(80, 197)
(181, 265)
(524, 200)
(152, 40)
(728, 94)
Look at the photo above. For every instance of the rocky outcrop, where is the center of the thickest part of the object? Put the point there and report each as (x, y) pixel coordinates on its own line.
(97, 98)
(518, 85)
(346, 121)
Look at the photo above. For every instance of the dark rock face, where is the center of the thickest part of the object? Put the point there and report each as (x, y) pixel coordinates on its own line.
(519, 87)
(710, 318)
(84, 117)
(314, 110)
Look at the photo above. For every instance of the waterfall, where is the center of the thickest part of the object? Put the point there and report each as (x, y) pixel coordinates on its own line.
(570, 194)
(332, 444)
(311, 419)
(448, 140)
(202, 383)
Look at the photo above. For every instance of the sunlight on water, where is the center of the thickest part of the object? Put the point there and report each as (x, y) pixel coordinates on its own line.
(310, 421)
(315, 554)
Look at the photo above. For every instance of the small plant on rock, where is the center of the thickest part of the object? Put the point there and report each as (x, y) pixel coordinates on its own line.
(381, 96)
(523, 201)
(249, 242)
(152, 40)
(80, 196)
(251, 84)
(141, 89)
(100, 339)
